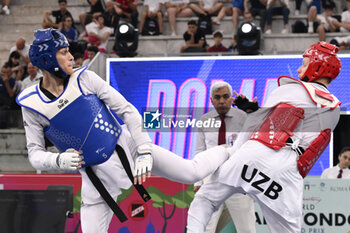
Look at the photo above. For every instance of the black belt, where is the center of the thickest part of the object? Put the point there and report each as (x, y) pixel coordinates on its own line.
(300, 150)
(125, 162)
(103, 191)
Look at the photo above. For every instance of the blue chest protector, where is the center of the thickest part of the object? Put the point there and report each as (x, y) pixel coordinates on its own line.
(78, 121)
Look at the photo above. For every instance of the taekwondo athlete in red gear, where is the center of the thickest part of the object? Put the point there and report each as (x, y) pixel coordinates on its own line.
(72, 108)
(278, 146)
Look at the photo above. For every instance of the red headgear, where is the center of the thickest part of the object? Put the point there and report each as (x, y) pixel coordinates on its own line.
(323, 62)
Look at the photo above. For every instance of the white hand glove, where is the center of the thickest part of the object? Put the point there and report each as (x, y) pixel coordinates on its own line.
(68, 160)
(143, 163)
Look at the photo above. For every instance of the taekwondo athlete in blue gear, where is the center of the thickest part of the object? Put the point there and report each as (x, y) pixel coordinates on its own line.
(88, 140)
(72, 108)
(67, 128)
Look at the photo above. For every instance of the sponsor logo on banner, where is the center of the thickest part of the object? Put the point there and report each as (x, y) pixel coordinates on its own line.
(138, 211)
(322, 186)
(309, 186)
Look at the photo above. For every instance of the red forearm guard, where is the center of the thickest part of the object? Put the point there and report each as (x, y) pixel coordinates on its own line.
(313, 152)
(278, 126)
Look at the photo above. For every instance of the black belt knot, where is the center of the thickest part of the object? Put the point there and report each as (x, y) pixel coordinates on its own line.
(300, 150)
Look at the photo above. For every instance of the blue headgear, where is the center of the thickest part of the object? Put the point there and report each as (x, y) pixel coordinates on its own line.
(42, 52)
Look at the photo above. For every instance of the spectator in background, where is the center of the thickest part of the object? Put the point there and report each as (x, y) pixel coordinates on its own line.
(177, 8)
(17, 70)
(70, 33)
(96, 8)
(9, 88)
(58, 14)
(343, 42)
(309, 3)
(33, 78)
(153, 10)
(78, 60)
(5, 7)
(341, 171)
(277, 7)
(98, 35)
(248, 17)
(23, 49)
(194, 38)
(127, 9)
(207, 7)
(257, 7)
(110, 15)
(344, 25)
(324, 22)
(217, 47)
(91, 53)
(235, 11)
(233, 45)
(91, 27)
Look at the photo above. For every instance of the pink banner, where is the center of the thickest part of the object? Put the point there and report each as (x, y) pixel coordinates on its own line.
(166, 212)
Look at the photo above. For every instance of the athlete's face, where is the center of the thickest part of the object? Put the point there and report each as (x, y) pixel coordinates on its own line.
(65, 60)
(221, 99)
(303, 67)
(344, 160)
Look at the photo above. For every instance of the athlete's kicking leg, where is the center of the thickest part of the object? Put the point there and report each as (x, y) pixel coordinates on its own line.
(173, 167)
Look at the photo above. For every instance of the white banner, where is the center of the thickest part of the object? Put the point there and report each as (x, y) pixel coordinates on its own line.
(326, 207)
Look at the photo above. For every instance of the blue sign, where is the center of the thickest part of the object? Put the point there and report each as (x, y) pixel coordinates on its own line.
(181, 86)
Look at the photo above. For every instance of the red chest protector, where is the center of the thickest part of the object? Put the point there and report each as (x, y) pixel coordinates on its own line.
(278, 126)
(283, 119)
(324, 99)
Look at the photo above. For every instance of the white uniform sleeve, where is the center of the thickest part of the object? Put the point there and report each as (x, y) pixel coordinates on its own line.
(34, 125)
(200, 143)
(93, 84)
(200, 146)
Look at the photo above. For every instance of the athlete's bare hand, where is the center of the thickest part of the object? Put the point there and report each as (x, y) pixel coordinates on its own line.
(196, 188)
